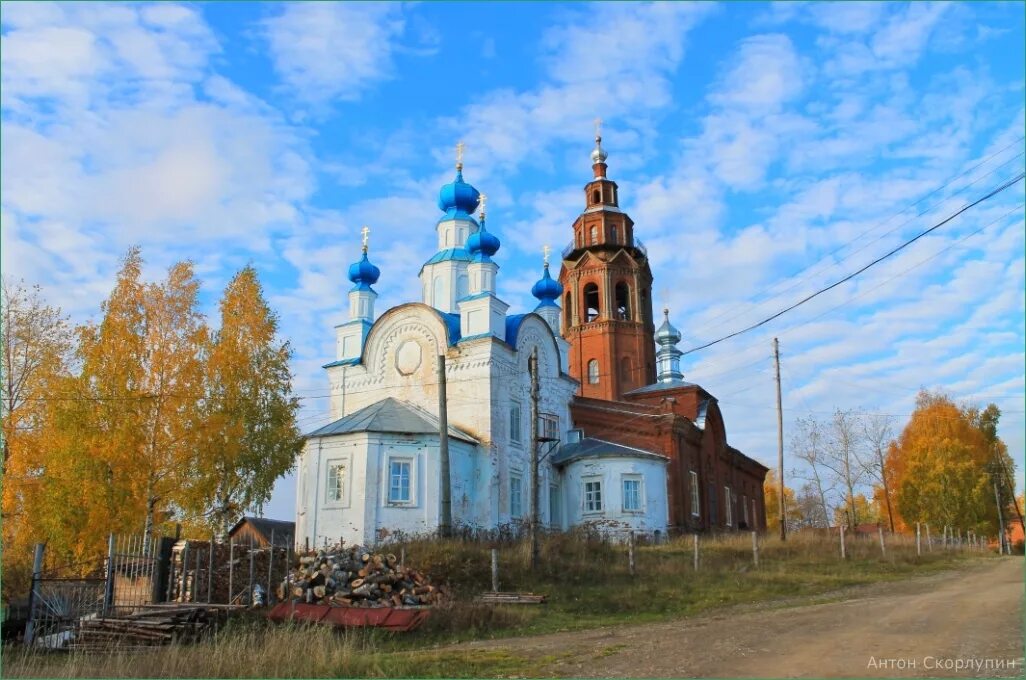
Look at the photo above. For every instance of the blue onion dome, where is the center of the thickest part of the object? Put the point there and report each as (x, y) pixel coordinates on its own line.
(457, 198)
(363, 273)
(547, 290)
(483, 243)
(666, 334)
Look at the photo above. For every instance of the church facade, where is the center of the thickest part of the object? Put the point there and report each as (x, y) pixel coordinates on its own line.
(618, 439)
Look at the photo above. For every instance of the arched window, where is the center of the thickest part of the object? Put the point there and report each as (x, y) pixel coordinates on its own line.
(462, 287)
(612, 234)
(568, 310)
(439, 293)
(591, 302)
(645, 309)
(594, 235)
(593, 372)
(595, 196)
(626, 373)
(623, 301)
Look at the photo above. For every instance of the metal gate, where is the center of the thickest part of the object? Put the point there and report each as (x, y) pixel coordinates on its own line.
(62, 596)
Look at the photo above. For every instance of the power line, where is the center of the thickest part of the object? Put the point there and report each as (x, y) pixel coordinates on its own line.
(813, 266)
(849, 277)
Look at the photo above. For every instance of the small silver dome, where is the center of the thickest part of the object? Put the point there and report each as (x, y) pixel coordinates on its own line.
(598, 155)
(666, 334)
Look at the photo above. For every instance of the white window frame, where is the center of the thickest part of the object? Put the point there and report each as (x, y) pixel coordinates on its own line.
(329, 465)
(593, 377)
(516, 433)
(634, 478)
(591, 507)
(696, 502)
(728, 497)
(412, 493)
(516, 483)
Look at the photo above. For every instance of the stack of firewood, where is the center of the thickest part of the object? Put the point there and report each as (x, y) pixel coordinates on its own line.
(146, 628)
(354, 577)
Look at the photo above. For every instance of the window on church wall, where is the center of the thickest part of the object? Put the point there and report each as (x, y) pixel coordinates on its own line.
(594, 236)
(744, 509)
(593, 496)
(515, 420)
(568, 311)
(336, 482)
(596, 197)
(612, 234)
(591, 302)
(623, 301)
(516, 498)
(439, 293)
(399, 481)
(462, 287)
(728, 507)
(593, 372)
(632, 493)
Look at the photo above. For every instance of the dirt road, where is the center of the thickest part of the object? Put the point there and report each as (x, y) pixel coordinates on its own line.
(955, 624)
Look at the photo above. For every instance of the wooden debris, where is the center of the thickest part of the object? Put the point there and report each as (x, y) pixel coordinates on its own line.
(356, 577)
(151, 626)
(511, 598)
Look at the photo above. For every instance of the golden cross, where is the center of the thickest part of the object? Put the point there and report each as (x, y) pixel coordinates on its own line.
(545, 253)
(364, 232)
(459, 154)
(598, 128)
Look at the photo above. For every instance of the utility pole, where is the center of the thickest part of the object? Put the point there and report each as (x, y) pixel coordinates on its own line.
(445, 522)
(1001, 520)
(532, 367)
(780, 444)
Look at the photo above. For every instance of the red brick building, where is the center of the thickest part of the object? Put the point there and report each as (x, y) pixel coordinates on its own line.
(631, 394)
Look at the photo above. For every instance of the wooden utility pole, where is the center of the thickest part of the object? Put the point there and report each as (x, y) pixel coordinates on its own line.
(532, 367)
(1001, 521)
(445, 521)
(780, 444)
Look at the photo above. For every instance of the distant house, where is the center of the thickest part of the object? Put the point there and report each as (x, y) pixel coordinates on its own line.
(259, 531)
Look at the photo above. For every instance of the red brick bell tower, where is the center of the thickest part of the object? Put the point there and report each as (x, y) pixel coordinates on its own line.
(607, 298)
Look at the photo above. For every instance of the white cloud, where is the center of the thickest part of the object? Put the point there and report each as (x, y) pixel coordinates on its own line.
(330, 51)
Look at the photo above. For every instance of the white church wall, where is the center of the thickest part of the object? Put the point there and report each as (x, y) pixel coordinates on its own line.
(611, 472)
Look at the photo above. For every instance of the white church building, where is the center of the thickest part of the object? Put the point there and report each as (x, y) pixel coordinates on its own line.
(375, 469)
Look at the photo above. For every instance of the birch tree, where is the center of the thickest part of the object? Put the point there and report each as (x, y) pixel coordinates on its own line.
(250, 434)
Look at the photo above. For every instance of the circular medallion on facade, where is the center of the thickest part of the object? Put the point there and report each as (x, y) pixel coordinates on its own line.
(407, 357)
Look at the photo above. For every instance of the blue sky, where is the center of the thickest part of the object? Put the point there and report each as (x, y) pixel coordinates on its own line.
(763, 150)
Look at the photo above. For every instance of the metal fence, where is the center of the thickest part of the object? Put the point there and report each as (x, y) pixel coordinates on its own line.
(61, 596)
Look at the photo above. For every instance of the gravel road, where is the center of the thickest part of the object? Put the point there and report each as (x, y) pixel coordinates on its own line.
(965, 623)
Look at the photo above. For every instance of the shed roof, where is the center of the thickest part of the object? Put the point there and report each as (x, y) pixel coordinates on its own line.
(283, 532)
(392, 416)
(590, 447)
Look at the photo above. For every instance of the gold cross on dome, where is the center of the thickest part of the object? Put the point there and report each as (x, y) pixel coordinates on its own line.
(545, 253)
(459, 154)
(365, 232)
(598, 127)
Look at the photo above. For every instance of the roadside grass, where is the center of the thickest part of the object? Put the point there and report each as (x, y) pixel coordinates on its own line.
(587, 583)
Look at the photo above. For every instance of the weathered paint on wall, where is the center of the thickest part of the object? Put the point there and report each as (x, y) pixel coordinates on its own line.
(610, 472)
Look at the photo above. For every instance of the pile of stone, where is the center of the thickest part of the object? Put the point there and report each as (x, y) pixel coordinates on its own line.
(355, 577)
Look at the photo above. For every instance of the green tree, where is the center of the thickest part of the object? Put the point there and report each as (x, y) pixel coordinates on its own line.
(250, 434)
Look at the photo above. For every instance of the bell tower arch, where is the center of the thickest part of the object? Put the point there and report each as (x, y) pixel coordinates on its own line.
(607, 286)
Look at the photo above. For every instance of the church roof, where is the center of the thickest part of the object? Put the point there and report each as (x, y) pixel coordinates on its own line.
(393, 416)
(590, 447)
(668, 385)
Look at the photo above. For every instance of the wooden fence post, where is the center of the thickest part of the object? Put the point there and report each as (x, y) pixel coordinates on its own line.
(843, 555)
(919, 542)
(883, 550)
(270, 568)
(108, 590)
(929, 541)
(630, 552)
(755, 548)
(696, 551)
(495, 570)
(231, 568)
(37, 572)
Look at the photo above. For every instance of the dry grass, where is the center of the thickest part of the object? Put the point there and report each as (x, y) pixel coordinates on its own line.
(587, 582)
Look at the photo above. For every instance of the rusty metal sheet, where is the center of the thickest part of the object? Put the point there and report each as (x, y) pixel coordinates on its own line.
(389, 618)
